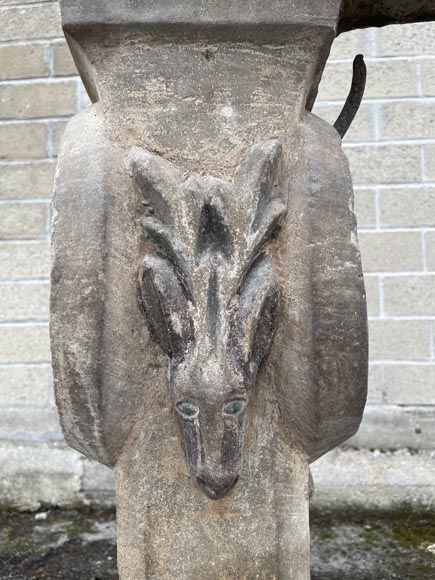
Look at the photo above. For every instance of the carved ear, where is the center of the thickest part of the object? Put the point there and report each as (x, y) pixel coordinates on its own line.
(256, 176)
(158, 180)
(166, 305)
(255, 317)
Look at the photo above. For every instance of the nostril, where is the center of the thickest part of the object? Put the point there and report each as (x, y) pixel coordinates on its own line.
(216, 488)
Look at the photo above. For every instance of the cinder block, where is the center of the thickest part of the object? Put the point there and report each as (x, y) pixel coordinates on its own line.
(391, 79)
(23, 220)
(24, 260)
(430, 250)
(371, 480)
(23, 343)
(428, 78)
(27, 180)
(35, 474)
(57, 131)
(25, 385)
(38, 99)
(84, 100)
(408, 120)
(410, 384)
(63, 63)
(390, 427)
(410, 295)
(391, 252)
(362, 128)
(429, 158)
(376, 385)
(365, 208)
(29, 424)
(22, 62)
(349, 44)
(13, 2)
(410, 207)
(372, 292)
(399, 340)
(23, 140)
(97, 477)
(384, 79)
(385, 163)
(39, 21)
(24, 301)
(406, 39)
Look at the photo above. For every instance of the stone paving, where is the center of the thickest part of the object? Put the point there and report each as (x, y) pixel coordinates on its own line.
(80, 545)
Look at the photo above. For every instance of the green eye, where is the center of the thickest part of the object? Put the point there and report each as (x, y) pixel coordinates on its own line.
(187, 410)
(234, 407)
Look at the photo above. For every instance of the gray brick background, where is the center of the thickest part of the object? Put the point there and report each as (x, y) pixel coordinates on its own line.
(391, 148)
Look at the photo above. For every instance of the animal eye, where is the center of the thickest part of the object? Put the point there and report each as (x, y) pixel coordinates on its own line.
(234, 407)
(187, 410)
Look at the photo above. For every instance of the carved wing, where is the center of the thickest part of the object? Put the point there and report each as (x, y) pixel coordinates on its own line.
(102, 352)
(364, 13)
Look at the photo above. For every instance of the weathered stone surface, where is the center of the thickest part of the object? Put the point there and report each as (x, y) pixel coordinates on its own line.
(204, 231)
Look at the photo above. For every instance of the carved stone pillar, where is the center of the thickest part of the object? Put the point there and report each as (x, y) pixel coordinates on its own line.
(208, 307)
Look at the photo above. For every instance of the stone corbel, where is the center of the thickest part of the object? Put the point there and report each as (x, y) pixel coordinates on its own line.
(208, 312)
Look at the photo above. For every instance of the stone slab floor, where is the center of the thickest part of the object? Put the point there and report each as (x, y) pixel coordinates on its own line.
(80, 545)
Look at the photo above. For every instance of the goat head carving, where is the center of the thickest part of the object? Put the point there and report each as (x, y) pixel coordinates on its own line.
(210, 297)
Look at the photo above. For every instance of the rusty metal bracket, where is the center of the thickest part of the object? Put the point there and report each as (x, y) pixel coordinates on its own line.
(354, 98)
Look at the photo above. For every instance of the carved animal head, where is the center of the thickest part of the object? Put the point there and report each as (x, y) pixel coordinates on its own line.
(210, 297)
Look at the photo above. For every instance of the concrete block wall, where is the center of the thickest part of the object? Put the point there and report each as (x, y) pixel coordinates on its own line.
(391, 151)
(391, 148)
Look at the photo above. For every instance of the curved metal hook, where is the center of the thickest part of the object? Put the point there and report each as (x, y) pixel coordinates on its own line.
(354, 98)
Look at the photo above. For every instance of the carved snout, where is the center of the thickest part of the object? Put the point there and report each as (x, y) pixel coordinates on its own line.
(215, 486)
(213, 438)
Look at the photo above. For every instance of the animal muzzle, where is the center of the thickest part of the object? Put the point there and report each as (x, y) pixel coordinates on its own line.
(216, 487)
